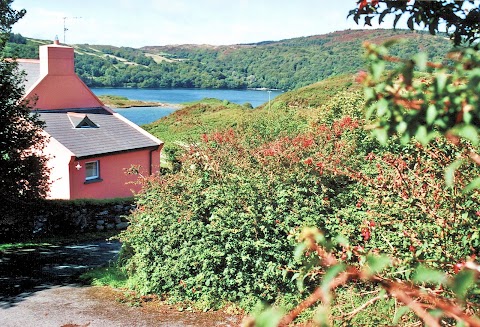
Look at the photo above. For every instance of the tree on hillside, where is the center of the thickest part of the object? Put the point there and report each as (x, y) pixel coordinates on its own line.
(23, 173)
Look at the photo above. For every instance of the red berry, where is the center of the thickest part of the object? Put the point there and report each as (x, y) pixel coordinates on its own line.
(365, 234)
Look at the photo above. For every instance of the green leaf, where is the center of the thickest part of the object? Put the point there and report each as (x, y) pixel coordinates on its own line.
(473, 185)
(421, 60)
(450, 172)
(436, 313)
(427, 275)
(370, 110)
(462, 282)
(431, 114)
(401, 127)
(441, 82)
(295, 276)
(322, 316)
(467, 117)
(400, 312)
(341, 239)
(405, 138)
(377, 263)
(300, 284)
(410, 23)
(381, 134)
(299, 249)
(377, 69)
(382, 106)
(422, 135)
(469, 132)
(369, 93)
(269, 318)
(331, 273)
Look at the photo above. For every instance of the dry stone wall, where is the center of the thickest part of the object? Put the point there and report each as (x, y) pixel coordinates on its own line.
(66, 217)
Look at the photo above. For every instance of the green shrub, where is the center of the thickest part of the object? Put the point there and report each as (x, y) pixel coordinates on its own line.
(223, 228)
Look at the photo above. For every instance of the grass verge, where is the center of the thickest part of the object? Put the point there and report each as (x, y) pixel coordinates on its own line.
(111, 276)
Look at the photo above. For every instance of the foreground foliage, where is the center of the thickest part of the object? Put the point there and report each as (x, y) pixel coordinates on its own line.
(444, 104)
(23, 172)
(419, 298)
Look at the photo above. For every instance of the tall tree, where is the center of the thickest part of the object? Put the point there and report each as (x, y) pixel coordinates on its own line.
(23, 172)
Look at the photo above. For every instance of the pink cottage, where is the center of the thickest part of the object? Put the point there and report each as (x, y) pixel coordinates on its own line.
(90, 146)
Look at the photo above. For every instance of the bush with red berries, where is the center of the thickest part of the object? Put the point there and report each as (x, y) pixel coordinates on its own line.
(223, 228)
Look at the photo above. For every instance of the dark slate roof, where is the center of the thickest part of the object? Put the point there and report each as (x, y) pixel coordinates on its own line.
(112, 135)
(32, 69)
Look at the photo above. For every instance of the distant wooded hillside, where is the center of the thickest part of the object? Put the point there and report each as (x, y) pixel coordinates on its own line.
(286, 64)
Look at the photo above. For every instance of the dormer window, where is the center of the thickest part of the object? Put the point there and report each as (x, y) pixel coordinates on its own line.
(81, 120)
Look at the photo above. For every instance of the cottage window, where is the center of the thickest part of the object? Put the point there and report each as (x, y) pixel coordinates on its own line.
(92, 170)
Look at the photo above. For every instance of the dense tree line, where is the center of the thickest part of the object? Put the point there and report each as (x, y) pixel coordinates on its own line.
(286, 64)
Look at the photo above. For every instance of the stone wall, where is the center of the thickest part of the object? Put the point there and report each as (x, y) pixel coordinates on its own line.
(67, 217)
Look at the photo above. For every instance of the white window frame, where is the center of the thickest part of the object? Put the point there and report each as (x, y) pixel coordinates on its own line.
(96, 164)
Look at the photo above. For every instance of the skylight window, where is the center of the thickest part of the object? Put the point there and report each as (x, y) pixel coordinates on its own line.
(81, 121)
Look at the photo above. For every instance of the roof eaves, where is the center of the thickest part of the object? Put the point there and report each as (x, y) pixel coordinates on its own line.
(95, 155)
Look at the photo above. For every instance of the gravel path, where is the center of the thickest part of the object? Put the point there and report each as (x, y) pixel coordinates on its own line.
(40, 287)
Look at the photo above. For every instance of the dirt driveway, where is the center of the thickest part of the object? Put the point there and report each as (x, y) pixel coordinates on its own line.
(40, 287)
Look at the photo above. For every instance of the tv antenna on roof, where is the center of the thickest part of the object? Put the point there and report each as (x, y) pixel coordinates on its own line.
(65, 29)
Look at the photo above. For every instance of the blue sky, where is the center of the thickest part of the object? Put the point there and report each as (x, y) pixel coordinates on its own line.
(137, 23)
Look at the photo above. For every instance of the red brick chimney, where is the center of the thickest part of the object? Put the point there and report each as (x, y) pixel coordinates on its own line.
(56, 59)
(58, 87)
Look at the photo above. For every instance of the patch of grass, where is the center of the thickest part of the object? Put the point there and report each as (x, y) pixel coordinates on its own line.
(196, 118)
(366, 305)
(21, 245)
(116, 101)
(111, 276)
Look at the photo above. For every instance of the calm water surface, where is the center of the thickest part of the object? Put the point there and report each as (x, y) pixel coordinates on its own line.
(145, 115)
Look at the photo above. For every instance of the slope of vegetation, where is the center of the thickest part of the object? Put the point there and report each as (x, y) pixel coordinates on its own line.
(291, 111)
(210, 115)
(285, 64)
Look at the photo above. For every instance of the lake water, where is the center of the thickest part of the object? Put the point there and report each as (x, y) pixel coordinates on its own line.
(145, 115)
